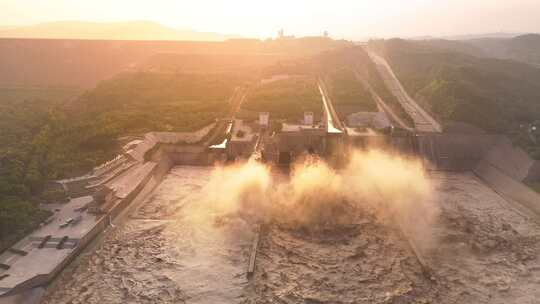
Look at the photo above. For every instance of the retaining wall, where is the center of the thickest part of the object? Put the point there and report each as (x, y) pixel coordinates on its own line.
(455, 152)
(510, 159)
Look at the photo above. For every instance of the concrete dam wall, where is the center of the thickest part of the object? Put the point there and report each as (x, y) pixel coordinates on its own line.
(134, 174)
(463, 152)
(453, 152)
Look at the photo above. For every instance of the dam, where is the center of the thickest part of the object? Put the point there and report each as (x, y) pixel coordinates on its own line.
(175, 233)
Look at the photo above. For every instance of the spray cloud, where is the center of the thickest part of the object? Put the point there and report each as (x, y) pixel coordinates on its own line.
(394, 190)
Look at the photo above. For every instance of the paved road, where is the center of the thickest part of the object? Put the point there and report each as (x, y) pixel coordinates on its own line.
(422, 120)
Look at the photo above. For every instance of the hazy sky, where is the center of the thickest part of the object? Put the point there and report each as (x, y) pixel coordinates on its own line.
(342, 18)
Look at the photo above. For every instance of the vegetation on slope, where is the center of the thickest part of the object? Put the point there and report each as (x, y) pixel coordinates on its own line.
(489, 93)
(331, 62)
(23, 112)
(496, 95)
(286, 99)
(142, 102)
(346, 90)
(51, 139)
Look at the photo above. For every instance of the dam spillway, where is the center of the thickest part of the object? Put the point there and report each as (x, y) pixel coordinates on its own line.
(215, 255)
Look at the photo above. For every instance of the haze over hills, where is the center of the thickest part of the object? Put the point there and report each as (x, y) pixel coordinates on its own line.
(83, 63)
(525, 48)
(498, 35)
(129, 30)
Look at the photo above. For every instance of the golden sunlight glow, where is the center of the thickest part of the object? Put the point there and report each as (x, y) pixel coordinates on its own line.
(342, 18)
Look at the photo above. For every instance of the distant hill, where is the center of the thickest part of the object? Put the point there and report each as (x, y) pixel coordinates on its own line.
(525, 48)
(499, 35)
(83, 63)
(131, 30)
(428, 45)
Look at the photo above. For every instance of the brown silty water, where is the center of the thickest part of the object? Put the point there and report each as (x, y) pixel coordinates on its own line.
(328, 237)
(169, 251)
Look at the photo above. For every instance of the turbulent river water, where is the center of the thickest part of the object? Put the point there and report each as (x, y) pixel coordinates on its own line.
(171, 249)
(178, 246)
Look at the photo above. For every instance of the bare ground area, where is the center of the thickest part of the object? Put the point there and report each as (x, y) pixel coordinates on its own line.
(175, 249)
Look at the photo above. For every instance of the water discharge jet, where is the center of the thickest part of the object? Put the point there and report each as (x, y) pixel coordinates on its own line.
(316, 197)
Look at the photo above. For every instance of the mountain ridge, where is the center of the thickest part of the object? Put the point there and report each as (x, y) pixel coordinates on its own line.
(524, 48)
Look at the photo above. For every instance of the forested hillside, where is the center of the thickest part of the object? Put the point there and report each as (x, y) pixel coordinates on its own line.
(286, 99)
(494, 94)
(23, 113)
(347, 90)
(343, 65)
(58, 134)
